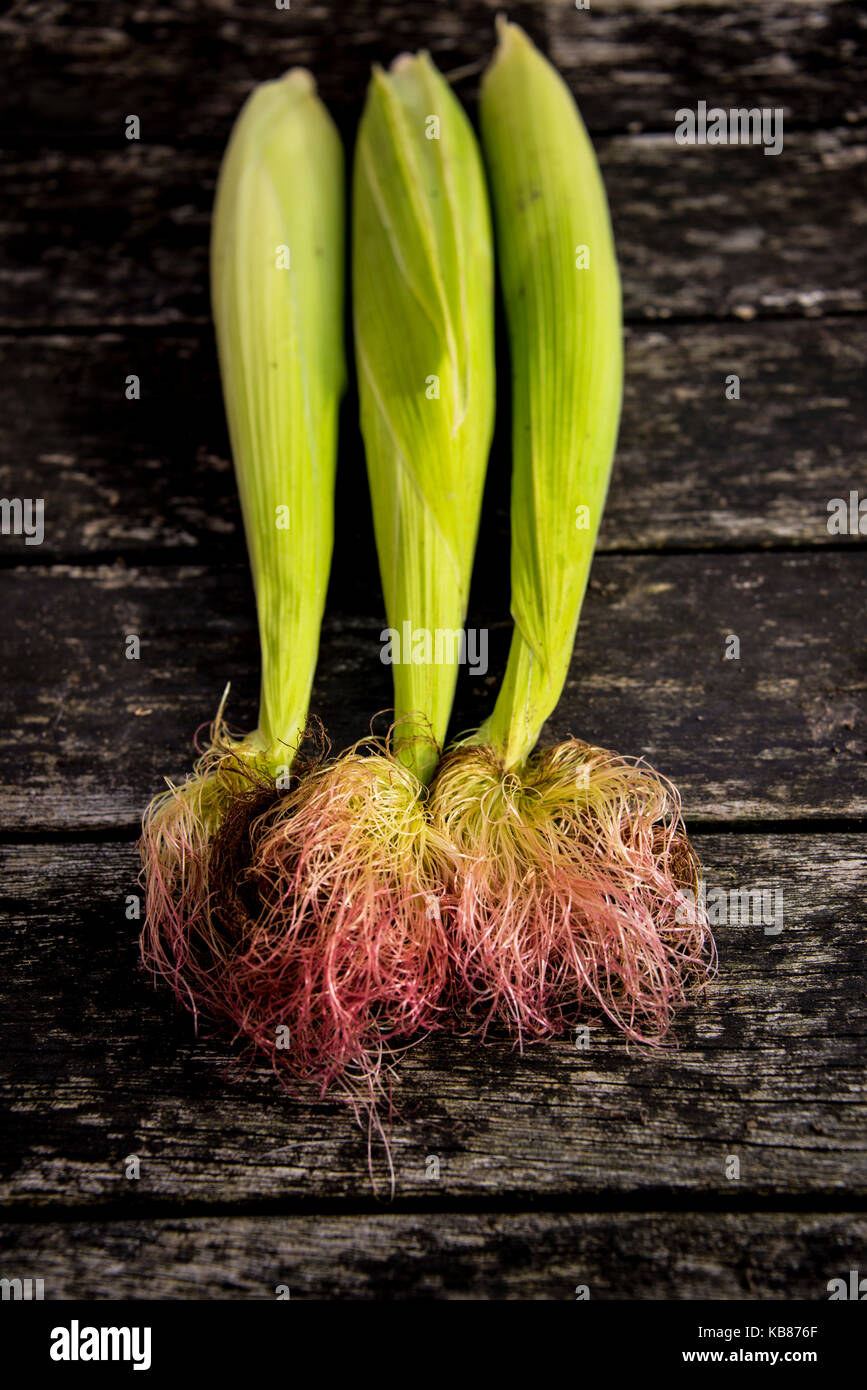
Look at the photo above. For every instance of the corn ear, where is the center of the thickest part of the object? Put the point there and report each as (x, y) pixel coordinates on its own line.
(277, 270)
(423, 312)
(561, 289)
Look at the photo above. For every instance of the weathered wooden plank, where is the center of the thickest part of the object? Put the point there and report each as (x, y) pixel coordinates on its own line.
(184, 68)
(693, 468)
(643, 61)
(770, 1071)
(86, 735)
(108, 238)
(631, 1255)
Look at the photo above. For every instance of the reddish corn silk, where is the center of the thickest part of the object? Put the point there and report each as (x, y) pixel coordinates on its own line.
(574, 888)
(308, 922)
(348, 945)
(180, 940)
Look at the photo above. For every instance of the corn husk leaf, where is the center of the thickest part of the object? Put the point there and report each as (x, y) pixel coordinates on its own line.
(277, 271)
(423, 311)
(564, 316)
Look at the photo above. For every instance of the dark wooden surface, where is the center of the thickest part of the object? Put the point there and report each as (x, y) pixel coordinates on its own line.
(605, 1167)
(542, 1255)
(769, 1070)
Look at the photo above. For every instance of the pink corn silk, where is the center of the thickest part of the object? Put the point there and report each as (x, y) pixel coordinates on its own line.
(350, 941)
(581, 908)
(317, 925)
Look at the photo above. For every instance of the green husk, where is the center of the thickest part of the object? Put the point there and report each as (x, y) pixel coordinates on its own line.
(567, 368)
(277, 268)
(423, 309)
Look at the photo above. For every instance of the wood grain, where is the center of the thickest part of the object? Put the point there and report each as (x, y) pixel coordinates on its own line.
(636, 64)
(184, 68)
(642, 1255)
(693, 469)
(86, 736)
(103, 238)
(771, 1070)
